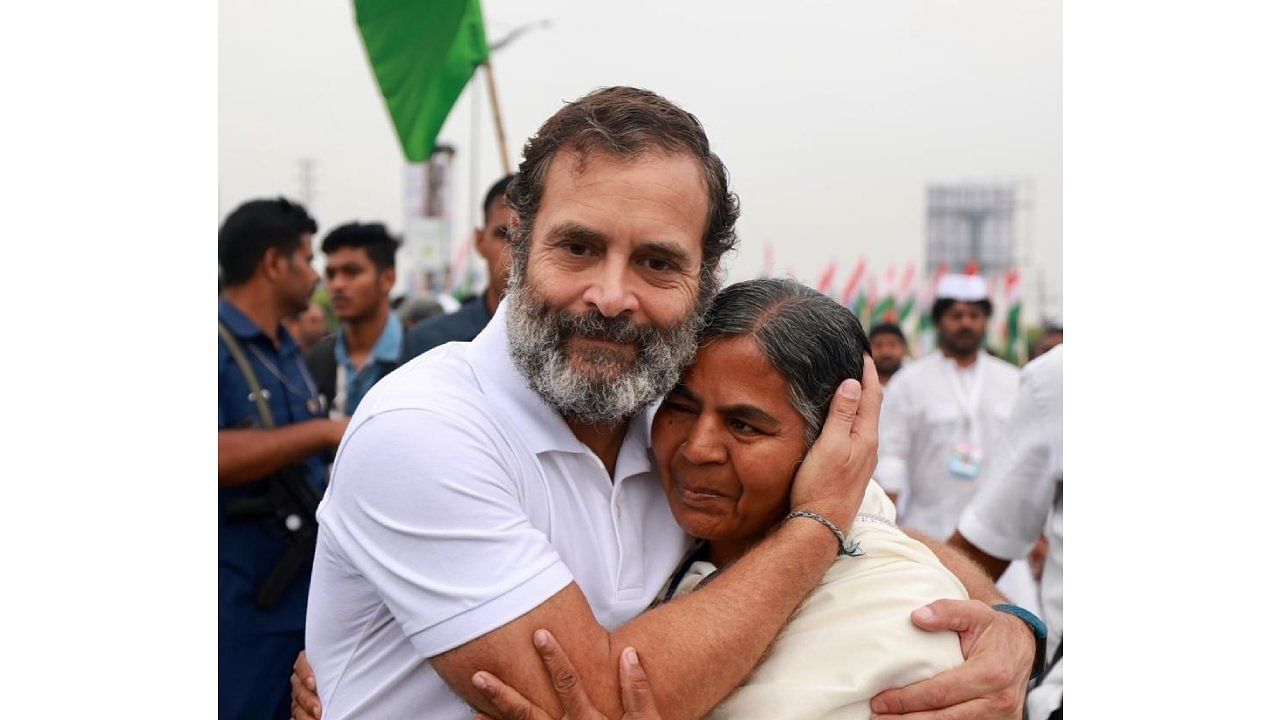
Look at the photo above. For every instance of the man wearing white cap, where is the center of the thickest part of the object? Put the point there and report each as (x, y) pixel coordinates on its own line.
(942, 411)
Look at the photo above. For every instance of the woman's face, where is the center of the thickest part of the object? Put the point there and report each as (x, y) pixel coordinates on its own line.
(728, 443)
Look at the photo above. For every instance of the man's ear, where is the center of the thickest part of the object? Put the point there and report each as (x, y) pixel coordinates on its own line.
(273, 263)
(479, 238)
(387, 279)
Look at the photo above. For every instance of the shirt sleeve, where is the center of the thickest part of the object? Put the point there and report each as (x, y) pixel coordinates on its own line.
(428, 510)
(1008, 513)
(895, 439)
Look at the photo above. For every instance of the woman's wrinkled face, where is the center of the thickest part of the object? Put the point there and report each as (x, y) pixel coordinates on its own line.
(728, 443)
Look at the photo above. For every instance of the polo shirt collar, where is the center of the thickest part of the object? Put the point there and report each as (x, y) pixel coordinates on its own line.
(387, 347)
(543, 428)
(242, 327)
(636, 455)
(237, 322)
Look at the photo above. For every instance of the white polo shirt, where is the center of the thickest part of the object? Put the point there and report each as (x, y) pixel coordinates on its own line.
(460, 501)
(1024, 498)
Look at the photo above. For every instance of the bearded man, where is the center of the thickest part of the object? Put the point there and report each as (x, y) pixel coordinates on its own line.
(490, 489)
(943, 411)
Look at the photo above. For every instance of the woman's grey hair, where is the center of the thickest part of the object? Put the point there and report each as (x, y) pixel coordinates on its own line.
(813, 342)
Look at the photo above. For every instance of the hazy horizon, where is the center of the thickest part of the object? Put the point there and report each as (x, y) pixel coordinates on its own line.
(832, 118)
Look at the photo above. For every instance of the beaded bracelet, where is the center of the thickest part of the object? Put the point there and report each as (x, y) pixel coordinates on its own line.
(851, 550)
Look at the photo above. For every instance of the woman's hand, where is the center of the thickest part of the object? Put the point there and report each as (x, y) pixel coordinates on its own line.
(834, 475)
(637, 696)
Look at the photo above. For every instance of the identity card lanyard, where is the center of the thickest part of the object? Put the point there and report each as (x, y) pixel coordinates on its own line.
(338, 409)
(313, 405)
(965, 459)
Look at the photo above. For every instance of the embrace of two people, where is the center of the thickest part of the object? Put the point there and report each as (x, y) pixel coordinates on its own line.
(626, 463)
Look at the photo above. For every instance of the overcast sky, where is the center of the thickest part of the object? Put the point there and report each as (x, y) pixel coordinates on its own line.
(831, 117)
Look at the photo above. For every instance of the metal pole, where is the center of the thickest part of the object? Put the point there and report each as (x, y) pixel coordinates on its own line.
(497, 119)
(473, 197)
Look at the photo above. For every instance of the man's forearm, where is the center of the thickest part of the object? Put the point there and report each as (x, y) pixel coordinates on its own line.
(248, 455)
(976, 581)
(699, 648)
(992, 565)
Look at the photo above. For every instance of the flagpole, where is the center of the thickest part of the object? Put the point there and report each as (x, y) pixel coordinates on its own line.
(497, 118)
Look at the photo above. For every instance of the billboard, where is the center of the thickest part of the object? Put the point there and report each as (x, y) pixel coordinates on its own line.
(970, 223)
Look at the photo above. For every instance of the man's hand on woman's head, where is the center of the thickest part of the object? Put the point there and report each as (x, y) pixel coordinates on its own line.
(991, 684)
(834, 475)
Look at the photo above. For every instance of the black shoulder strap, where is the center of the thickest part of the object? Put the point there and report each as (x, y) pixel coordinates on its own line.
(255, 389)
(323, 365)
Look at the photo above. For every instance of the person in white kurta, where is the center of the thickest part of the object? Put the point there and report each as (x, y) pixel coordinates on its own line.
(932, 406)
(941, 413)
(852, 637)
(1024, 499)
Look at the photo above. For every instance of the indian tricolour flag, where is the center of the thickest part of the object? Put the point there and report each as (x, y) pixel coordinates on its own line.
(906, 294)
(925, 332)
(853, 286)
(826, 279)
(766, 271)
(866, 304)
(460, 280)
(1012, 301)
(885, 308)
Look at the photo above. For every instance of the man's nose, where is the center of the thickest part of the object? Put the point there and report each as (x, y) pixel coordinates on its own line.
(610, 292)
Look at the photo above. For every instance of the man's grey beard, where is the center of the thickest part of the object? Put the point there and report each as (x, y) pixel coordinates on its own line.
(538, 338)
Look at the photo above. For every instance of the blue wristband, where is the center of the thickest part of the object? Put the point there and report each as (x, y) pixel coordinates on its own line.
(1038, 629)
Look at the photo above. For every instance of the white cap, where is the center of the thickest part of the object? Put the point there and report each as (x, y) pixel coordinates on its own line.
(965, 288)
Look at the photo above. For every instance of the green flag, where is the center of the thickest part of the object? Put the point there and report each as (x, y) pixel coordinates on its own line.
(880, 312)
(1013, 334)
(907, 307)
(423, 53)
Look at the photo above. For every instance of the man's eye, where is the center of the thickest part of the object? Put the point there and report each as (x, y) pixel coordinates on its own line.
(578, 249)
(742, 428)
(501, 232)
(658, 264)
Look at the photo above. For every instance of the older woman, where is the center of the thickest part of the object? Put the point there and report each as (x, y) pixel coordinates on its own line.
(728, 440)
